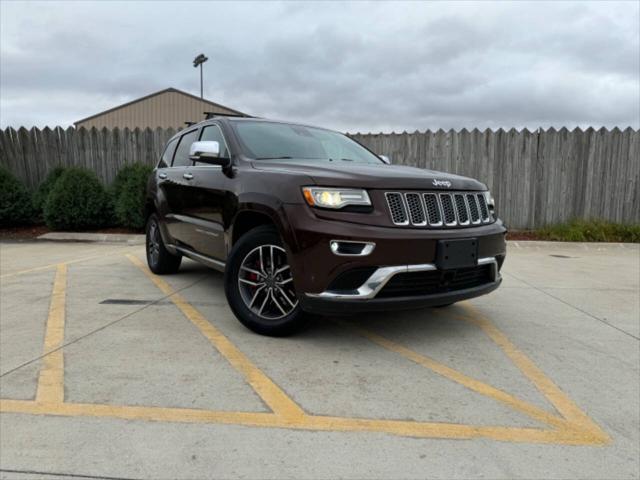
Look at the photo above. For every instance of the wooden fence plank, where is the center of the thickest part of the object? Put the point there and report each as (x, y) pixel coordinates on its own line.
(537, 177)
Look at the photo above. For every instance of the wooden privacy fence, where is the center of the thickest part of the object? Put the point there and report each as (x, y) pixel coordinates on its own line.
(31, 154)
(537, 177)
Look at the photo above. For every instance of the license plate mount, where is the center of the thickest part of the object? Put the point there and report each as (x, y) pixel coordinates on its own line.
(452, 254)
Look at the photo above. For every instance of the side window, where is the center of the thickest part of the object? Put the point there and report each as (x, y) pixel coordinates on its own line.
(213, 133)
(165, 160)
(182, 152)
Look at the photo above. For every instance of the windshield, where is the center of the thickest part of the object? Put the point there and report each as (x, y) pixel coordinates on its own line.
(269, 141)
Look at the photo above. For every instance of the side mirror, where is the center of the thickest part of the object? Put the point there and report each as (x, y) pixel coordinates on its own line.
(207, 152)
(385, 159)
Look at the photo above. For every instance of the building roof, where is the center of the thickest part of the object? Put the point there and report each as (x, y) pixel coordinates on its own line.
(146, 97)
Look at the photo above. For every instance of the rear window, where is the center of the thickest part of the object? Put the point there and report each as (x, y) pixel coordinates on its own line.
(167, 156)
(181, 158)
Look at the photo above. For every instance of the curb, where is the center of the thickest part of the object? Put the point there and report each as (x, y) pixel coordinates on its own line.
(129, 239)
(548, 244)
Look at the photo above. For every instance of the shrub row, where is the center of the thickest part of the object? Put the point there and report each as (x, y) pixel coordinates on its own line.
(74, 199)
(590, 231)
(16, 207)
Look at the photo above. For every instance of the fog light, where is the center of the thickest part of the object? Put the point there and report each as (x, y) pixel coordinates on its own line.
(351, 249)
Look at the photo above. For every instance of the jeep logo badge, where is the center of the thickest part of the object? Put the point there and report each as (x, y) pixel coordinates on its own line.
(441, 183)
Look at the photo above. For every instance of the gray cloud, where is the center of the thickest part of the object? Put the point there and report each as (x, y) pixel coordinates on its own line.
(350, 66)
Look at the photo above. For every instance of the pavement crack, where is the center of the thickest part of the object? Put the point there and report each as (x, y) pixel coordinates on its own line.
(601, 320)
(103, 327)
(66, 475)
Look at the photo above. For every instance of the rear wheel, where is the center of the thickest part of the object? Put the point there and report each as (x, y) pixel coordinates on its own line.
(159, 259)
(259, 284)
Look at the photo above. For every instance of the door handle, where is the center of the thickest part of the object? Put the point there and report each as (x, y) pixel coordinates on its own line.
(162, 175)
(187, 175)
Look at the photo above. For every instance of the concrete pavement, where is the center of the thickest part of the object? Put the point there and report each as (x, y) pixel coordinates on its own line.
(109, 371)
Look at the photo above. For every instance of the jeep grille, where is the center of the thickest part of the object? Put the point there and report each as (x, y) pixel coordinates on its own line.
(456, 209)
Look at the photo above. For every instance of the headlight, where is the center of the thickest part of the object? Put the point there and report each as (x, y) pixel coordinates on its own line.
(490, 201)
(335, 197)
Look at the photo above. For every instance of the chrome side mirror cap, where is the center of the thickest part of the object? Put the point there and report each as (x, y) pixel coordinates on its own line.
(203, 151)
(385, 159)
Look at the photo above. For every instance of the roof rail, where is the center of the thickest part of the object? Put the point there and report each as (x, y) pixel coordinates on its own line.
(209, 115)
(188, 124)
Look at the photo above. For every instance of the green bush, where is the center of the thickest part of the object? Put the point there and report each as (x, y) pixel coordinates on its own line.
(41, 194)
(591, 231)
(128, 194)
(16, 207)
(77, 201)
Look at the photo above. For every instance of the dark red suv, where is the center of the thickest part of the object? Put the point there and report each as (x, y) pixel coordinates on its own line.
(305, 220)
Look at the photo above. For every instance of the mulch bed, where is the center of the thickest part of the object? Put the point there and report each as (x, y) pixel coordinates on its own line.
(523, 235)
(33, 231)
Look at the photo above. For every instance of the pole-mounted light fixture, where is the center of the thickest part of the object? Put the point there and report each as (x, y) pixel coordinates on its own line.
(199, 60)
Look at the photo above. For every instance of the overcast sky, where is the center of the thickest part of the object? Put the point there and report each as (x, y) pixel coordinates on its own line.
(350, 66)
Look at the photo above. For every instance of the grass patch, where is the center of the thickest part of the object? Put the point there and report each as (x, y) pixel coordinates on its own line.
(590, 231)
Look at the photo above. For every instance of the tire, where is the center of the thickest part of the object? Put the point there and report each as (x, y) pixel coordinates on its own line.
(444, 305)
(159, 259)
(260, 292)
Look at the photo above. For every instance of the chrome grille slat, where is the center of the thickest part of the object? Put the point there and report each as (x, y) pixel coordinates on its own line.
(432, 209)
(416, 209)
(474, 210)
(462, 214)
(484, 209)
(397, 207)
(448, 209)
(438, 209)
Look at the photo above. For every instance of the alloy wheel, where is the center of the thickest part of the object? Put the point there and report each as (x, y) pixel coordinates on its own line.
(153, 243)
(266, 283)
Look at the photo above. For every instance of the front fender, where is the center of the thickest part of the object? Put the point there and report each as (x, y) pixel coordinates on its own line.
(271, 207)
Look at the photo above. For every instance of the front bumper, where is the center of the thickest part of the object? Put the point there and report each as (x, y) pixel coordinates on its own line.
(363, 299)
(315, 266)
(345, 306)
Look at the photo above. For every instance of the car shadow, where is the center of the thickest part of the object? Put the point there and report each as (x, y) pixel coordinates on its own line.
(425, 325)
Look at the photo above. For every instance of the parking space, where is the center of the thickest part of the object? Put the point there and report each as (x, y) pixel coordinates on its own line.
(108, 370)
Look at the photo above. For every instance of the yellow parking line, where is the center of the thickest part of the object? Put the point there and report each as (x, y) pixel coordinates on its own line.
(51, 379)
(567, 408)
(69, 262)
(448, 430)
(575, 428)
(281, 404)
(137, 413)
(305, 422)
(459, 377)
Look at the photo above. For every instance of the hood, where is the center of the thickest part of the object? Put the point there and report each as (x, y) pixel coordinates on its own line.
(371, 176)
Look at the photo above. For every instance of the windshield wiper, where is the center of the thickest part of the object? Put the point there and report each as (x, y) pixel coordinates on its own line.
(284, 157)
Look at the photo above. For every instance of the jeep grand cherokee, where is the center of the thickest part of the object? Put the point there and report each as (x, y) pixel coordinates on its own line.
(304, 220)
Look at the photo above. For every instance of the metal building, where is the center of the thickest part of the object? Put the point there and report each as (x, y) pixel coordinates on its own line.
(167, 108)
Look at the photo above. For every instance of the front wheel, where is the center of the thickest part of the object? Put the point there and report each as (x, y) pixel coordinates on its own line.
(258, 283)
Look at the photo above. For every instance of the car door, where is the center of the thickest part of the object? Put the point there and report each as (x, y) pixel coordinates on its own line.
(177, 190)
(208, 199)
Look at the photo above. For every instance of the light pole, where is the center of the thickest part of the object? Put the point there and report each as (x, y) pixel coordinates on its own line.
(199, 60)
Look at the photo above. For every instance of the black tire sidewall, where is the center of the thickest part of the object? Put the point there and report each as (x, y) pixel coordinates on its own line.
(252, 239)
(167, 263)
(152, 219)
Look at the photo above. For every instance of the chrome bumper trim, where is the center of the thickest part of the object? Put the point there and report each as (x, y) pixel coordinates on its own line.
(378, 279)
(367, 248)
